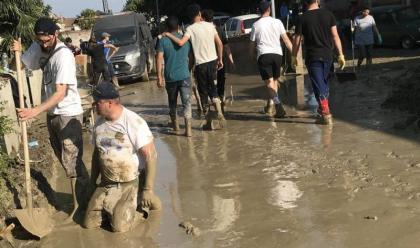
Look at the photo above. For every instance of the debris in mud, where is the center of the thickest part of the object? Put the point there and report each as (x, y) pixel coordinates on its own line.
(6, 234)
(190, 228)
(370, 218)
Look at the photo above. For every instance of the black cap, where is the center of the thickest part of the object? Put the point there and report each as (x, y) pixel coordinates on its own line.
(105, 91)
(45, 26)
(264, 5)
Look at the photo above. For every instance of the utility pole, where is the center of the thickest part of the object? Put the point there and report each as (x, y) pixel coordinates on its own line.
(105, 5)
(273, 9)
(157, 13)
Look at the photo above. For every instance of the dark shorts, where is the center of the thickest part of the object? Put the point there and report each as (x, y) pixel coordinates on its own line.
(269, 65)
(206, 76)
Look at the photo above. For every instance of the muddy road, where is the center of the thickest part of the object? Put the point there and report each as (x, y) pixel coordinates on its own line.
(278, 183)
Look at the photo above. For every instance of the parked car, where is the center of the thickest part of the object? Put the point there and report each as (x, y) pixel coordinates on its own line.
(131, 33)
(220, 20)
(398, 25)
(240, 25)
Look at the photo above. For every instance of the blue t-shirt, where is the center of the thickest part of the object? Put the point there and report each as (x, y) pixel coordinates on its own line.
(176, 59)
(106, 51)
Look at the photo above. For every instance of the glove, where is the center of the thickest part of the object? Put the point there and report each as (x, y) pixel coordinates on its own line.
(380, 39)
(341, 61)
(294, 62)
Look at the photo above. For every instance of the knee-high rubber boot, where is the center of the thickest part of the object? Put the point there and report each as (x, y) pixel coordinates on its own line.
(188, 131)
(280, 112)
(269, 108)
(326, 117)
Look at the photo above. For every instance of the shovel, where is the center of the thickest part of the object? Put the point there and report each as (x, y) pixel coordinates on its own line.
(34, 220)
(345, 76)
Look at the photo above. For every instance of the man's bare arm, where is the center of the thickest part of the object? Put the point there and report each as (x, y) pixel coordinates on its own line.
(219, 47)
(148, 152)
(179, 42)
(287, 41)
(296, 44)
(336, 40)
(58, 96)
(159, 68)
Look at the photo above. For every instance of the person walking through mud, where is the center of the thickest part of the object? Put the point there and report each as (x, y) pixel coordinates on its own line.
(109, 51)
(265, 39)
(364, 27)
(227, 55)
(125, 158)
(208, 53)
(99, 65)
(61, 100)
(318, 28)
(176, 79)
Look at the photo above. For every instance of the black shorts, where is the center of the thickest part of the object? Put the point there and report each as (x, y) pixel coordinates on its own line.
(269, 65)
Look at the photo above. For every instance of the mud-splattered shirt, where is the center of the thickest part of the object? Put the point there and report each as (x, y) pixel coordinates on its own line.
(118, 143)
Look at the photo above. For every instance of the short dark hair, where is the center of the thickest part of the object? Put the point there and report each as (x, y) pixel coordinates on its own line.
(68, 40)
(207, 15)
(193, 10)
(172, 23)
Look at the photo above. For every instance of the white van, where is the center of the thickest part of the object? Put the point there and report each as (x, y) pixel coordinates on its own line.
(240, 25)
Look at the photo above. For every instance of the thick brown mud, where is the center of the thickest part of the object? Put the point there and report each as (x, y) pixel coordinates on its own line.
(276, 183)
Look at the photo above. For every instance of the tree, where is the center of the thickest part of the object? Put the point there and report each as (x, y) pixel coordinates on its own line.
(177, 7)
(17, 19)
(86, 19)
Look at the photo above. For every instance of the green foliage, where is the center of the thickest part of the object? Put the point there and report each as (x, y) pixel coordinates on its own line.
(17, 19)
(86, 19)
(5, 163)
(132, 5)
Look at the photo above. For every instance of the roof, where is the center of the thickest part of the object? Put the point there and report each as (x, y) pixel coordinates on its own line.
(245, 17)
(68, 22)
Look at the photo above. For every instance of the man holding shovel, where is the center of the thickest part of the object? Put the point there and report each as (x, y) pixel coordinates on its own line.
(318, 28)
(61, 99)
(125, 158)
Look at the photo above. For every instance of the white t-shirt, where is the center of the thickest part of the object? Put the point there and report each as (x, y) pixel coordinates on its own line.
(364, 30)
(266, 33)
(202, 35)
(60, 69)
(118, 143)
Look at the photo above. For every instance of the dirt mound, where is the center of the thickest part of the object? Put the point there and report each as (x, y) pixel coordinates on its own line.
(43, 170)
(405, 94)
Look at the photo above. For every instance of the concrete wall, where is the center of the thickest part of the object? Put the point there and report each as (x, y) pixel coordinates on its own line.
(10, 142)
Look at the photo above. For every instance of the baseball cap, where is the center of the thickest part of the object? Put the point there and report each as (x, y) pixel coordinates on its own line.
(45, 26)
(105, 90)
(264, 5)
(105, 34)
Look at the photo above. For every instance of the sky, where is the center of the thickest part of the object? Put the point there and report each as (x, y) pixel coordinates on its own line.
(71, 8)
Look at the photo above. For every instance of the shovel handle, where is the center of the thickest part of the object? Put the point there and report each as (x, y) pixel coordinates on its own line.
(24, 132)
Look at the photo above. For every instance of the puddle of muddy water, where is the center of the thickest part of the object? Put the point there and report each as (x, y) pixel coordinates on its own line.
(261, 183)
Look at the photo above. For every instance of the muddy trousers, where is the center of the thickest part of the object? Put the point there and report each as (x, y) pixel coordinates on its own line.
(115, 201)
(66, 140)
(206, 76)
(221, 81)
(318, 74)
(182, 88)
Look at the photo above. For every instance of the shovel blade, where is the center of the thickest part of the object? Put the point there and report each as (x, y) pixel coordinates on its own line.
(37, 221)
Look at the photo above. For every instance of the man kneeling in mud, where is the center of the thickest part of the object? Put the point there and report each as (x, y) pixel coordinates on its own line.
(123, 144)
